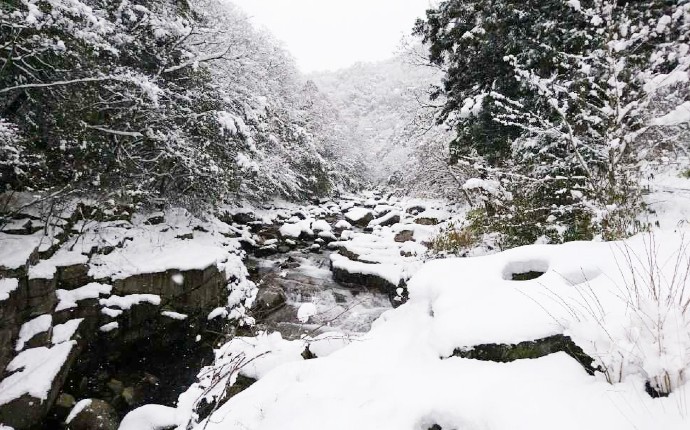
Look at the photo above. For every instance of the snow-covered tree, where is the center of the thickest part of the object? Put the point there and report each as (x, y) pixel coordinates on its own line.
(590, 121)
(156, 100)
(558, 102)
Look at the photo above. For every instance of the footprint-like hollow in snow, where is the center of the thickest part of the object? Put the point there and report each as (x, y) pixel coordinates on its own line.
(525, 270)
(580, 276)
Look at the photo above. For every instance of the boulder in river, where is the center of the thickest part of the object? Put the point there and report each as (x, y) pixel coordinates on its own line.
(93, 414)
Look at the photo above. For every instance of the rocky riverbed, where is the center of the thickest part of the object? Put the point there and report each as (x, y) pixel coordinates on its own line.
(95, 299)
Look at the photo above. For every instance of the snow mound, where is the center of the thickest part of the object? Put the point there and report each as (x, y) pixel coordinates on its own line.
(403, 373)
(357, 214)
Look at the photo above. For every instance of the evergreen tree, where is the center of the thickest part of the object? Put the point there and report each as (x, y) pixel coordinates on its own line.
(568, 94)
(471, 39)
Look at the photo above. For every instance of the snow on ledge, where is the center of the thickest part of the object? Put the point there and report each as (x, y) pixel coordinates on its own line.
(29, 329)
(126, 302)
(34, 371)
(7, 286)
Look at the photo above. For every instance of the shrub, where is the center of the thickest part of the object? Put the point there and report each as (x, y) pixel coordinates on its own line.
(640, 326)
(454, 240)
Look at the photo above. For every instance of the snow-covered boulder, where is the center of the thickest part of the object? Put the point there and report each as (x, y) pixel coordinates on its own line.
(360, 217)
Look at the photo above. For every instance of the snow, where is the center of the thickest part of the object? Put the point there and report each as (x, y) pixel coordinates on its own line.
(106, 328)
(679, 115)
(65, 332)
(669, 195)
(661, 81)
(7, 286)
(306, 311)
(295, 230)
(402, 374)
(157, 248)
(68, 298)
(126, 302)
(16, 249)
(34, 371)
(342, 224)
(437, 214)
(385, 218)
(321, 226)
(492, 187)
(80, 406)
(174, 315)
(327, 235)
(356, 214)
(290, 230)
(46, 269)
(390, 272)
(112, 313)
(217, 312)
(31, 328)
(150, 417)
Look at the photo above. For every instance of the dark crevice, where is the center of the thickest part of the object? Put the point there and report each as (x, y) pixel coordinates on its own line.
(504, 353)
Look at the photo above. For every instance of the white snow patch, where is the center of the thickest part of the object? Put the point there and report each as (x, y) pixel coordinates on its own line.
(65, 332)
(31, 328)
(34, 371)
(46, 269)
(126, 302)
(174, 315)
(16, 249)
(80, 406)
(342, 224)
(679, 115)
(106, 328)
(321, 226)
(112, 313)
(7, 286)
(306, 311)
(356, 214)
(150, 417)
(68, 298)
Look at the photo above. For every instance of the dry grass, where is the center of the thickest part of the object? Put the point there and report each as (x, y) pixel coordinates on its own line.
(453, 240)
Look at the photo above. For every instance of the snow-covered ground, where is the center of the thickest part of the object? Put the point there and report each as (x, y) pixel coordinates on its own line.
(340, 356)
(623, 303)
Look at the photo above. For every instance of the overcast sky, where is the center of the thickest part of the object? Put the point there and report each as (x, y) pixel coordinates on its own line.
(332, 34)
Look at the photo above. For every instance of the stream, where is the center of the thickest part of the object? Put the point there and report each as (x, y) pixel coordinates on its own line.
(305, 277)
